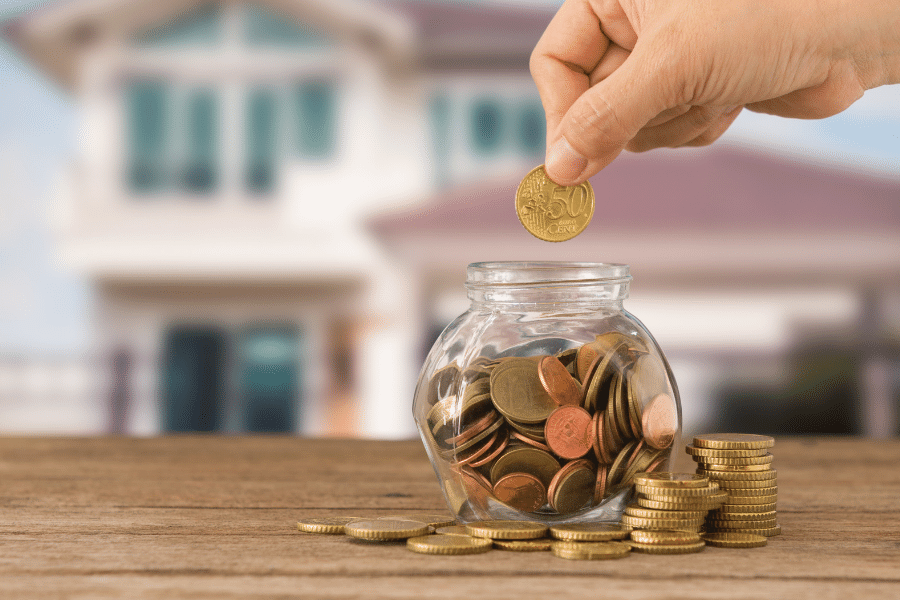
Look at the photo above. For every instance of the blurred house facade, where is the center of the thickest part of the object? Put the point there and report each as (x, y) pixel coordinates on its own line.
(276, 200)
(230, 151)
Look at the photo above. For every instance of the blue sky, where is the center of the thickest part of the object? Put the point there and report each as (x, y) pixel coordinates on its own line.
(44, 309)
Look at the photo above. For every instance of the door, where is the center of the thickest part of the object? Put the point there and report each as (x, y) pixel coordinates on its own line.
(193, 379)
(269, 378)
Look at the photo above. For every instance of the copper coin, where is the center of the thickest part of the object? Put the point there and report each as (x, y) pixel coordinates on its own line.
(524, 438)
(660, 422)
(521, 491)
(557, 382)
(477, 452)
(585, 357)
(474, 429)
(492, 455)
(568, 432)
(476, 485)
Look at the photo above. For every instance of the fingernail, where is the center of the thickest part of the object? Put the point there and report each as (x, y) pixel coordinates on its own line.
(564, 164)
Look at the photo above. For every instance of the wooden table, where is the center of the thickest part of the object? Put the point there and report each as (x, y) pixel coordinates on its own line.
(215, 517)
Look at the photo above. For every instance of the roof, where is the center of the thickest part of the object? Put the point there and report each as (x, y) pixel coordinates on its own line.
(726, 210)
(434, 35)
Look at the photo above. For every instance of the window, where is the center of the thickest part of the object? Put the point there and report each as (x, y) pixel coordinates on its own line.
(487, 126)
(148, 117)
(261, 142)
(200, 174)
(194, 378)
(315, 103)
(532, 130)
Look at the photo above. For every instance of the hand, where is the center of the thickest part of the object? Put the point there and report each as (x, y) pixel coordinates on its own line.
(643, 74)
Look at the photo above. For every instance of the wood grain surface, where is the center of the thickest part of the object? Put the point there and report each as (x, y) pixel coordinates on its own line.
(215, 517)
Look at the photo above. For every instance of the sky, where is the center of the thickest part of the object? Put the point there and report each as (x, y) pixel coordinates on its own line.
(44, 309)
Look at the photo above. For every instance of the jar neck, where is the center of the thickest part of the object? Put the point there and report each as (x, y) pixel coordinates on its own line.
(548, 284)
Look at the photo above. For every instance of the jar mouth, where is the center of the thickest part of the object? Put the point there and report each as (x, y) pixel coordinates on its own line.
(484, 275)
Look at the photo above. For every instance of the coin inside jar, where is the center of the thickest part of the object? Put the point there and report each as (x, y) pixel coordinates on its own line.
(517, 392)
(660, 422)
(521, 491)
(558, 383)
(568, 432)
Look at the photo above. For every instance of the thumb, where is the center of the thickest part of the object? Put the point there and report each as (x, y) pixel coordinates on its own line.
(603, 120)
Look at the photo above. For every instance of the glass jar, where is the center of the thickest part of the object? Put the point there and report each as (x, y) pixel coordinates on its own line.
(544, 399)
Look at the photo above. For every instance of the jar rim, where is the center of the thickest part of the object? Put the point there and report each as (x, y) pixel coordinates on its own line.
(543, 273)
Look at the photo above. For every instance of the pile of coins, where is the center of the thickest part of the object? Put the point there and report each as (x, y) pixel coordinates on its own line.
(670, 510)
(741, 465)
(553, 433)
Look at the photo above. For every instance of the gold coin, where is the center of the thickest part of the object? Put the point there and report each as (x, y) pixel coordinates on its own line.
(653, 490)
(507, 530)
(763, 531)
(330, 525)
(452, 530)
(720, 476)
(696, 504)
(385, 529)
(517, 391)
(752, 500)
(525, 459)
(664, 536)
(448, 544)
(590, 550)
(574, 487)
(539, 545)
(733, 441)
(652, 513)
(433, 520)
(590, 532)
(745, 508)
(741, 487)
(735, 468)
(724, 453)
(671, 480)
(763, 459)
(668, 548)
(729, 539)
(552, 212)
(730, 525)
(677, 524)
(742, 516)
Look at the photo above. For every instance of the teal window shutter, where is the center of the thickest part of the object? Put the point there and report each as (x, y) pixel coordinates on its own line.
(487, 126)
(261, 142)
(147, 140)
(315, 102)
(201, 169)
(532, 130)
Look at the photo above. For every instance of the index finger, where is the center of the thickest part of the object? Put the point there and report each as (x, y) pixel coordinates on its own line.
(568, 51)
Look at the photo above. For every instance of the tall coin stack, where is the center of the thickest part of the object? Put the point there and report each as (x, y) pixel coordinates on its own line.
(741, 465)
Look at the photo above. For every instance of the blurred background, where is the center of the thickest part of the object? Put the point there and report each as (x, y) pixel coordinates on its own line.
(255, 216)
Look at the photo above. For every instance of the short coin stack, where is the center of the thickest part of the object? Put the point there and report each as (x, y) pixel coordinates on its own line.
(558, 431)
(669, 511)
(742, 467)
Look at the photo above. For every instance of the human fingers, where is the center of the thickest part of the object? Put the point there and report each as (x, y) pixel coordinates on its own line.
(608, 115)
(563, 59)
(677, 131)
(716, 130)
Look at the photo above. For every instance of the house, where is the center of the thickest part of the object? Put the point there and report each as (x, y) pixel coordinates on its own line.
(229, 153)
(276, 200)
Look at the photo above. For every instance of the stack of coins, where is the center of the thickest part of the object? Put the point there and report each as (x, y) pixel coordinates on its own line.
(741, 465)
(669, 511)
(555, 433)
